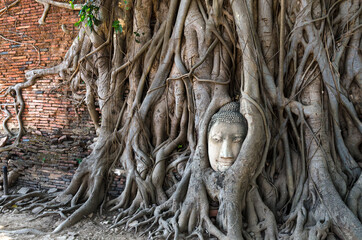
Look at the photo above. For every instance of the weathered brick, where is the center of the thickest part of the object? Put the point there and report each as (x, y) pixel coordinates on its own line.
(46, 110)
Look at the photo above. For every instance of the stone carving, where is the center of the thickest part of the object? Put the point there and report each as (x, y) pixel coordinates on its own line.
(226, 133)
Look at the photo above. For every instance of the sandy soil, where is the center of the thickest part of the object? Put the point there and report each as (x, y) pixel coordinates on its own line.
(94, 227)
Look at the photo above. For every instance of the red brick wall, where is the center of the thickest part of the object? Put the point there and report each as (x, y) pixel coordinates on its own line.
(48, 109)
(44, 160)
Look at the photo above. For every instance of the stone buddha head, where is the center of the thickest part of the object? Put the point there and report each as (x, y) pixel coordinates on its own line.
(226, 133)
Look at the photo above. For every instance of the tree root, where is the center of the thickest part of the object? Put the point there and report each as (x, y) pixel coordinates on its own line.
(131, 219)
(47, 4)
(354, 199)
(6, 198)
(43, 203)
(16, 199)
(94, 200)
(61, 212)
(24, 231)
(265, 220)
(9, 6)
(168, 220)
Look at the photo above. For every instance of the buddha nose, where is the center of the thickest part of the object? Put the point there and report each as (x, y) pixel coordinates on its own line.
(226, 150)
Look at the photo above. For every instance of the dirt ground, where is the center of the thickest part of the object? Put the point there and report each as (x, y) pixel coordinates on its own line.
(94, 227)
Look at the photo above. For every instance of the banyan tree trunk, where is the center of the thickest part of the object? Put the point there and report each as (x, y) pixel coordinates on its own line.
(295, 69)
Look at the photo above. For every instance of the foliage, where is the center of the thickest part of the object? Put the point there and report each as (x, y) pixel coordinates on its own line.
(71, 3)
(125, 5)
(87, 14)
(117, 26)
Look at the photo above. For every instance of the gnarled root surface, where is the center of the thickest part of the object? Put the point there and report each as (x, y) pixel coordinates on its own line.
(158, 84)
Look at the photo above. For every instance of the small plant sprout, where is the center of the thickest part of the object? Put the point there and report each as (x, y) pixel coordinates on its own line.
(117, 26)
(87, 14)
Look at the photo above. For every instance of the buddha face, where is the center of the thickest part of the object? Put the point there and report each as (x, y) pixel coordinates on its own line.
(224, 143)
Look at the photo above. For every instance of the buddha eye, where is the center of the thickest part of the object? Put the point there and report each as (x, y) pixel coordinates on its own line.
(216, 139)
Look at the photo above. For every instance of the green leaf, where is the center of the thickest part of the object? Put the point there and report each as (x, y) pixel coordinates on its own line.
(115, 24)
(87, 14)
(84, 8)
(71, 4)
